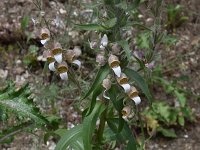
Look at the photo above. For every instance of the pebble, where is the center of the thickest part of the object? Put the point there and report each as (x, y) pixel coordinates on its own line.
(3, 73)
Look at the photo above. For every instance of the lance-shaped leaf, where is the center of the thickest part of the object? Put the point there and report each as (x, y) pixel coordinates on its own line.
(69, 138)
(89, 124)
(102, 74)
(125, 46)
(134, 76)
(90, 27)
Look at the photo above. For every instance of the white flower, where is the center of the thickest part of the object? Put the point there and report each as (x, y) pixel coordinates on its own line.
(64, 76)
(104, 41)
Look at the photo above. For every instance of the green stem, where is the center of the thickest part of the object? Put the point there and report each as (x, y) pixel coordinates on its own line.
(101, 126)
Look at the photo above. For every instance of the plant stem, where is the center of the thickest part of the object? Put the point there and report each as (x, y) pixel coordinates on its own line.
(101, 126)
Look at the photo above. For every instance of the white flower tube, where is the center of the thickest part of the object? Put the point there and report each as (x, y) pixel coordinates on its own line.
(64, 76)
(126, 87)
(136, 99)
(104, 40)
(117, 71)
(44, 41)
(58, 57)
(77, 62)
(52, 66)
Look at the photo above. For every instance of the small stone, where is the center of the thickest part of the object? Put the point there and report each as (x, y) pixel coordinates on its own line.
(62, 11)
(3, 73)
(186, 136)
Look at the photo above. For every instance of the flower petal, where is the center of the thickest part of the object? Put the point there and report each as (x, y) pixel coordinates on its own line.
(104, 95)
(117, 71)
(43, 41)
(137, 100)
(58, 57)
(126, 87)
(52, 66)
(77, 62)
(64, 76)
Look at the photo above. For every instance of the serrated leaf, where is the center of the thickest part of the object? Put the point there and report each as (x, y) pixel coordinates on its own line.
(17, 101)
(90, 27)
(89, 124)
(102, 74)
(134, 76)
(69, 137)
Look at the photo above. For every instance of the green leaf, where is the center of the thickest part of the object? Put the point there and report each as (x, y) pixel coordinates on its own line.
(181, 98)
(125, 134)
(102, 74)
(125, 46)
(134, 76)
(90, 27)
(181, 120)
(24, 22)
(167, 132)
(110, 23)
(89, 124)
(19, 103)
(69, 137)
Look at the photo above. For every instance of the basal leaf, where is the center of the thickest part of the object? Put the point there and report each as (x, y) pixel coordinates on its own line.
(133, 75)
(18, 102)
(69, 137)
(90, 27)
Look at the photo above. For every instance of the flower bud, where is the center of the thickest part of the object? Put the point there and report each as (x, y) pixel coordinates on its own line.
(70, 55)
(100, 59)
(93, 44)
(77, 51)
(104, 40)
(126, 111)
(106, 84)
(116, 48)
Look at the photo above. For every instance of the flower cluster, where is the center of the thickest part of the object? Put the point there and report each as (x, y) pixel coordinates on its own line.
(120, 77)
(57, 58)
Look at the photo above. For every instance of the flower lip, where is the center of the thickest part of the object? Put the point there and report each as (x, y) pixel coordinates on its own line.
(62, 68)
(133, 92)
(122, 79)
